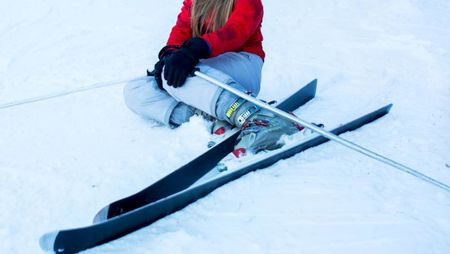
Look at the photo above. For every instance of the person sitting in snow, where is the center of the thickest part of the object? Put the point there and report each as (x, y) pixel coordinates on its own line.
(223, 39)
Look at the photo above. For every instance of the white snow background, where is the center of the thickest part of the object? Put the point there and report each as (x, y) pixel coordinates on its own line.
(61, 160)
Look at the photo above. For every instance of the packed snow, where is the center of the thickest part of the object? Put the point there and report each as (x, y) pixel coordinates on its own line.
(63, 159)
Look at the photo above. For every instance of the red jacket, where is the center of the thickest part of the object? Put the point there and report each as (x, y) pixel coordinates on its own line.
(242, 31)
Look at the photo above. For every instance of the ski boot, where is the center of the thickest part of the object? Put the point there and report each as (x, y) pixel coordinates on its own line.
(261, 129)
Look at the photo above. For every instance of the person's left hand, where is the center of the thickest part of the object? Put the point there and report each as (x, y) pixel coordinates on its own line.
(181, 63)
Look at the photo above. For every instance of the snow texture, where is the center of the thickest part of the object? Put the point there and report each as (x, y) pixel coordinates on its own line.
(61, 160)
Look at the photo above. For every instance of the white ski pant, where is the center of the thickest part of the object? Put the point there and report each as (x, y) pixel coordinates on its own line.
(241, 70)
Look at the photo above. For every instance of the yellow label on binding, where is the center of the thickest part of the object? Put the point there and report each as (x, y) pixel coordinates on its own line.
(233, 108)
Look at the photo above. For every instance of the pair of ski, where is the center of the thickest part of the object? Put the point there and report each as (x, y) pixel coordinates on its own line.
(187, 184)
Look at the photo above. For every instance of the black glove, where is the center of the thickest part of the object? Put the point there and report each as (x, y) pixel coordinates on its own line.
(182, 62)
(158, 68)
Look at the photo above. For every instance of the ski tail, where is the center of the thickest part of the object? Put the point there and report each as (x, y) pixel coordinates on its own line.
(47, 241)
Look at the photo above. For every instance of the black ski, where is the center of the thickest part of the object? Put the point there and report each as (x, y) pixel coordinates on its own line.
(194, 170)
(75, 240)
(173, 183)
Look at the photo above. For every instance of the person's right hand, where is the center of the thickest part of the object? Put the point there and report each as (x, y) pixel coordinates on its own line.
(158, 68)
(157, 73)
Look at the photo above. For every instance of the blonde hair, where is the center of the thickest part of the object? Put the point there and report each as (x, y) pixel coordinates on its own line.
(215, 12)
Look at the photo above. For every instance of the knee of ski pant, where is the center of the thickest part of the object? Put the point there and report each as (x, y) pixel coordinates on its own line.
(136, 93)
(243, 67)
(145, 99)
(200, 93)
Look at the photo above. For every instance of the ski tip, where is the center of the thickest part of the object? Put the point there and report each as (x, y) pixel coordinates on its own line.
(313, 83)
(385, 110)
(47, 241)
(102, 215)
(388, 107)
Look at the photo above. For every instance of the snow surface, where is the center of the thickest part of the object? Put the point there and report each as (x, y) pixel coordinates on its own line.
(63, 159)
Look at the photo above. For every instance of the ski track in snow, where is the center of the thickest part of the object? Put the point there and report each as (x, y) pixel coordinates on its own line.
(63, 159)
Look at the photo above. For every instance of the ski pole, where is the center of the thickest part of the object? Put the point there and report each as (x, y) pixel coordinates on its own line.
(68, 92)
(325, 133)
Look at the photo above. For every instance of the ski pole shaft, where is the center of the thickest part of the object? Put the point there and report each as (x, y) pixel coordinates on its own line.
(325, 133)
(67, 92)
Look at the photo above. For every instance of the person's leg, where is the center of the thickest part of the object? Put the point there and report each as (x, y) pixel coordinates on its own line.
(148, 101)
(244, 68)
(241, 70)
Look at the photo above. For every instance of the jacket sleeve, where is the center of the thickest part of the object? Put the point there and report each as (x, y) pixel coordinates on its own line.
(243, 22)
(182, 30)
